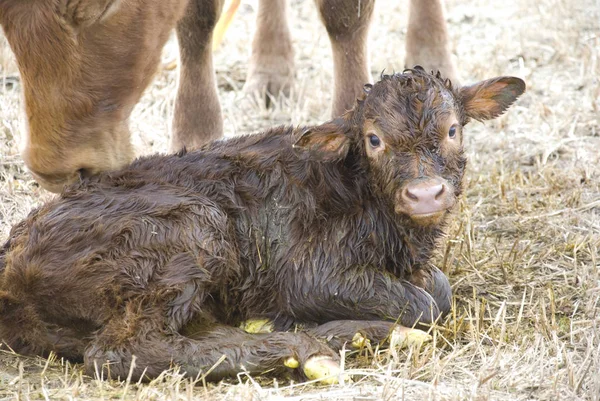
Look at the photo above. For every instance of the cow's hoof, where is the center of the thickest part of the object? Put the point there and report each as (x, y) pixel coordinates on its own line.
(405, 337)
(255, 326)
(360, 341)
(272, 84)
(324, 369)
(269, 81)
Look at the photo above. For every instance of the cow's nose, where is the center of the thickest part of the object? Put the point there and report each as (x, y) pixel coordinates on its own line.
(85, 173)
(53, 182)
(425, 197)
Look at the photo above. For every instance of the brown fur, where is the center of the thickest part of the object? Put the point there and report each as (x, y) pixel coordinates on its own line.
(164, 258)
(85, 63)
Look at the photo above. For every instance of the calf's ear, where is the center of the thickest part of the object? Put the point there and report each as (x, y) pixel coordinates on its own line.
(326, 142)
(490, 98)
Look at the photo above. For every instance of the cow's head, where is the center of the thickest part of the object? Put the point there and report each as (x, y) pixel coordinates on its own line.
(84, 65)
(407, 132)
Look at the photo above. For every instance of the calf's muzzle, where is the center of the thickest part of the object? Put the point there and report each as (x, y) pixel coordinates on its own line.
(425, 200)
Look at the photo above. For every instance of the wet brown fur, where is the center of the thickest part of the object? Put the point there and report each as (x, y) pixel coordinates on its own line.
(164, 258)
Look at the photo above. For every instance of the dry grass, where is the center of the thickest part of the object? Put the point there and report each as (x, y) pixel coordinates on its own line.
(522, 252)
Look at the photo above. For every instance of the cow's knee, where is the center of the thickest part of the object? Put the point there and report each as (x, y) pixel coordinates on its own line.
(343, 19)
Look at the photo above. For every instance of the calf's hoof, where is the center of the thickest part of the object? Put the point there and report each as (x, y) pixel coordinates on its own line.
(255, 326)
(359, 341)
(291, 363)
(403, 337)
(324, 369)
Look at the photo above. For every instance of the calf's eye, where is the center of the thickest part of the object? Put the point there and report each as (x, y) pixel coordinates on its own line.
(452, 131)
(374, 141)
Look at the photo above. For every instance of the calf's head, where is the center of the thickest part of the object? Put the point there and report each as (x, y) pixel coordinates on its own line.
(407, 135)
(84, 65)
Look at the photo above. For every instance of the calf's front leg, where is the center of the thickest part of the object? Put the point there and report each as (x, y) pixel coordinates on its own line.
(367, 294)
(358, 333)
(436, 284)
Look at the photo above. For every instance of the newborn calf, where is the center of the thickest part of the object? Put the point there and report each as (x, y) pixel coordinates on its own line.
(164, 259)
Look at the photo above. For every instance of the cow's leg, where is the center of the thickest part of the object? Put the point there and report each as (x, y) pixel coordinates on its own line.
(271, 68)
(197, 117)
(347, 23)
(217, 352)
(427, 38)
(358, 333)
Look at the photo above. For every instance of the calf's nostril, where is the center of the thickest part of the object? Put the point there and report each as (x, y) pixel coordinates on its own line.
(428, 193)
(410, 195)
(440, 192)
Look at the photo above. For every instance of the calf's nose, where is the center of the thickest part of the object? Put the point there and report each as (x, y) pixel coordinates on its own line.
(425, 197)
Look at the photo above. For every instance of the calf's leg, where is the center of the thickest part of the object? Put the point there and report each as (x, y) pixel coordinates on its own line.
(197, 116)
(357, 333)
(367, 294)
(427, 38)
(347, 23)
(435, 283)
(216, 352)
(271, 68)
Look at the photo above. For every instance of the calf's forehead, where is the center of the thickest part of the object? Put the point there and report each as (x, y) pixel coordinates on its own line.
(401, 107)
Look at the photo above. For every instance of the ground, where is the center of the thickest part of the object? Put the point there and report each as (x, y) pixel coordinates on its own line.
(522, 251)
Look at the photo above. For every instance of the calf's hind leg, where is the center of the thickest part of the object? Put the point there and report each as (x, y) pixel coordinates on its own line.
(217, 352)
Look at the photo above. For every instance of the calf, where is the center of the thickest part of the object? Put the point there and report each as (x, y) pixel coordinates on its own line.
(314, 225)
(85, 63)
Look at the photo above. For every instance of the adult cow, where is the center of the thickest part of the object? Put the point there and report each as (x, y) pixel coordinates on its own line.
(85, 63)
